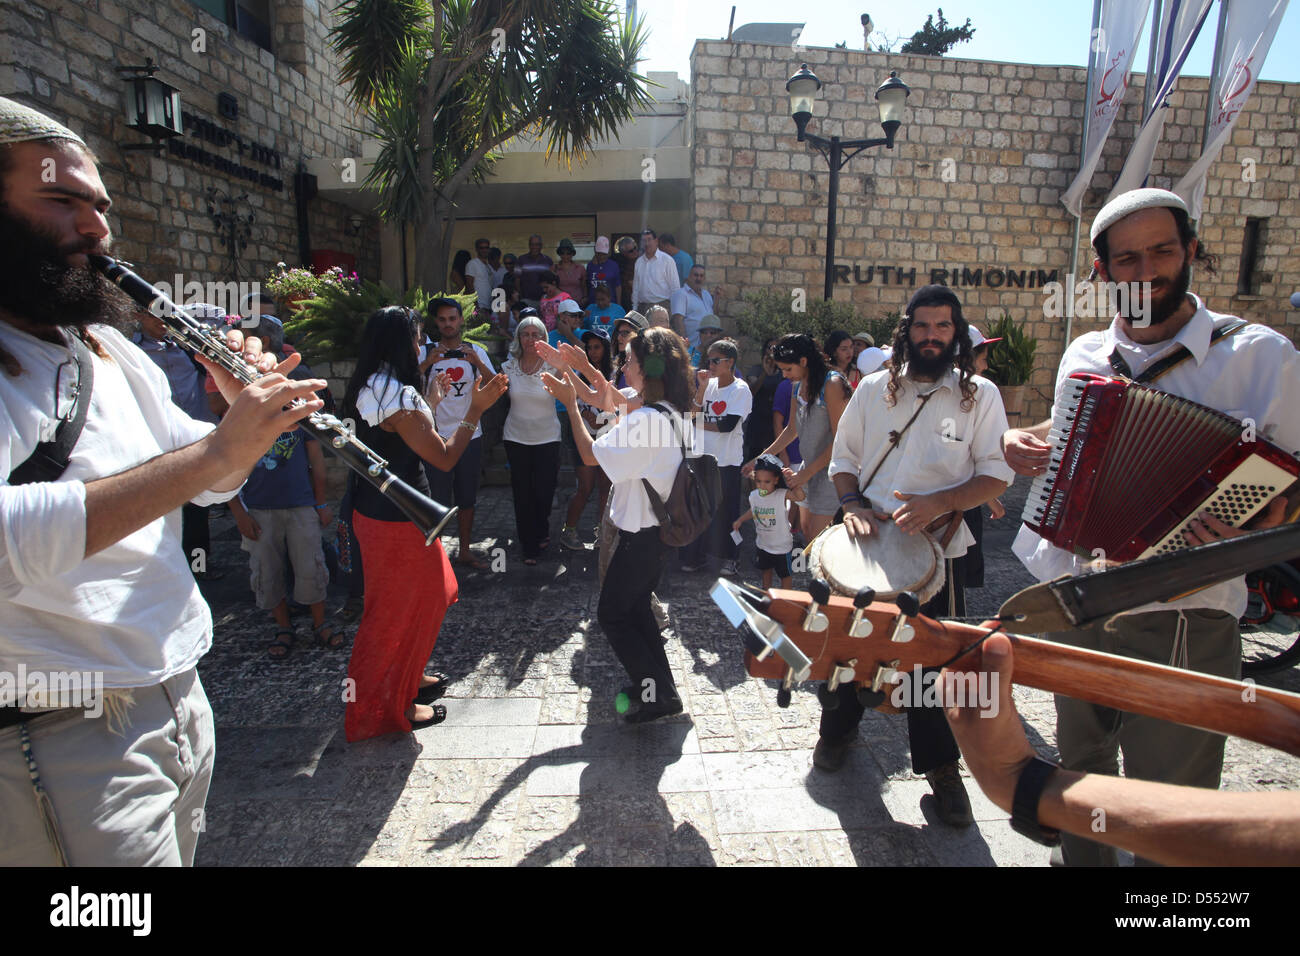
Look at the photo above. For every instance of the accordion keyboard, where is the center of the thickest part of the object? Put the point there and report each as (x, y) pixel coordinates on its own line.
(1039, 508)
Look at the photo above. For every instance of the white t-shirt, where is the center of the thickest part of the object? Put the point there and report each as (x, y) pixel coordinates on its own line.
(532, 419)
(771, 522)
(382, 395)
(455, 405)
(643, 445)
(132, 611)
(735, 399)
(481, 273)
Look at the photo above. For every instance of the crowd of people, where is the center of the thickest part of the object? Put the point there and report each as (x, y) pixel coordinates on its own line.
(93, 578)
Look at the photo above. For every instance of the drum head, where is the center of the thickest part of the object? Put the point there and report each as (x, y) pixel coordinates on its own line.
(889, 562)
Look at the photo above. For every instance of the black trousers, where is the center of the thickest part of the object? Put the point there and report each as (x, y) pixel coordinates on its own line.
(716, 541)
(624, 612)
(929, 736)
(533, 473)
(194, 533)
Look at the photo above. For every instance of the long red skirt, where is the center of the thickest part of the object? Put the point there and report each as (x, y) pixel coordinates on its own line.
(408, 589)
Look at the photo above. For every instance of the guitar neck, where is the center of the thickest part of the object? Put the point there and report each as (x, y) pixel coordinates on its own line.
(1215, 704)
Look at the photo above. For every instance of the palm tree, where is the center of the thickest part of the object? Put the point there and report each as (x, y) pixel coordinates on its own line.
(447, 82)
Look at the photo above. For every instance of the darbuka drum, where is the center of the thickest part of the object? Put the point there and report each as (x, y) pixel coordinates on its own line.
(889, 561)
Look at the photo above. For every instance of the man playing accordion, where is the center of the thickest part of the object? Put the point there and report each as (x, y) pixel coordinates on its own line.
(1170, 341)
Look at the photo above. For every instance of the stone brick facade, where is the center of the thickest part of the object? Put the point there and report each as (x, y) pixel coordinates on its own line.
(62, 56)
(973, 183)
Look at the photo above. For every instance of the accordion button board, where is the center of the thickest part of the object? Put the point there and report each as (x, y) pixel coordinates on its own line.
(1131, 466)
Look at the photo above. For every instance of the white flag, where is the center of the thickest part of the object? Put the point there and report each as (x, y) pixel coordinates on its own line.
(1179, 27)
(1248, 33)
(1114, 44)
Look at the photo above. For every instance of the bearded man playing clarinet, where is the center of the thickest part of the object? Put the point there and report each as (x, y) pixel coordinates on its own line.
(1169, 341)
(93, 582)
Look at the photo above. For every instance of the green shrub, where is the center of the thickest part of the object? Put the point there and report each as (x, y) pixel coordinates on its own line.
(766, 314)
(328, 328)
(1011, 361)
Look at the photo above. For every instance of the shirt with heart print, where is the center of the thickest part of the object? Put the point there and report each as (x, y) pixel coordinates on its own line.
(735, 399)
(455, 405)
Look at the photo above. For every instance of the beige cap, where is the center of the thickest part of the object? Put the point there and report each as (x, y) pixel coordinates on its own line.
(22, 124)
(1125, 204)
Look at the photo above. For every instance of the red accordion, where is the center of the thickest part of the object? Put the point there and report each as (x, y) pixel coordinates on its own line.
(1131, 466)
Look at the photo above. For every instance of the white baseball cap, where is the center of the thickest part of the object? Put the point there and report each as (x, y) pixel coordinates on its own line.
(871, 358)
(568, 305)
(977, 337)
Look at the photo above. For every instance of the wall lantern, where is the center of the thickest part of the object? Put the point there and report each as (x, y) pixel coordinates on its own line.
(152, 106)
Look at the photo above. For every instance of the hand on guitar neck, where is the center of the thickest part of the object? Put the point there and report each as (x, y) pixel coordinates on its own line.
(1177, 826)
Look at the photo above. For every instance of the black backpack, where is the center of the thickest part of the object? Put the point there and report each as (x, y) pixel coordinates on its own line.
(696, 494)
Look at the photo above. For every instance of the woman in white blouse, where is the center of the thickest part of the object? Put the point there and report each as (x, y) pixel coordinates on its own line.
(644, 444)
(408, 586)
(532, 439)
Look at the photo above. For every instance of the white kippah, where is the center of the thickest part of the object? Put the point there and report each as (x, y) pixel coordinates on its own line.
(1125, 204)
(22, 124)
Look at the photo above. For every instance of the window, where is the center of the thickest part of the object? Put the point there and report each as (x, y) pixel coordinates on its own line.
(250, 18)
(1252, 245)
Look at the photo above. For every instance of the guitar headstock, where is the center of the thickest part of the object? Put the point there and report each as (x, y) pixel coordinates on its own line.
(844, 640)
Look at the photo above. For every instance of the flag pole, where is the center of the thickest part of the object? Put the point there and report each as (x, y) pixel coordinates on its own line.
(1149, 88)
(1216, 67)
(1083, 147)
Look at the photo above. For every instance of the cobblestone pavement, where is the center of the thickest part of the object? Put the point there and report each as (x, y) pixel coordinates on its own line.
(533, 765)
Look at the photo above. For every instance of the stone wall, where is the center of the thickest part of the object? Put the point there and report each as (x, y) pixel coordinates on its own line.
(973, 183)
(61, 56)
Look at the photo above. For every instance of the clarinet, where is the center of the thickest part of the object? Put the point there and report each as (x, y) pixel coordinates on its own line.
(335, 436)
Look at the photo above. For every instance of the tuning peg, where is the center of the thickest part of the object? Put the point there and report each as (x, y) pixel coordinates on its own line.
(859, 626)
(869, 699)
(908, 603)
(814, 620)
(841, 674)
(827, 697)
(885, 674)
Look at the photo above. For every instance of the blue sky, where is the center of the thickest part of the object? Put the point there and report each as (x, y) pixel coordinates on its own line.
(1018, 31)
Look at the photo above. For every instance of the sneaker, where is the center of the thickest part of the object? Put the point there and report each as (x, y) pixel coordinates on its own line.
(729, 569)
(692, 568)
(950, 792)
(829, 755)
(569, 539)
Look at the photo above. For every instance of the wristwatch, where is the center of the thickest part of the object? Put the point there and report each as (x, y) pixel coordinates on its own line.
(1024, 804)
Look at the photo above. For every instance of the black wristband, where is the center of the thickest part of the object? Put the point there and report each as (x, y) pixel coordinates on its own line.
(1024, 804)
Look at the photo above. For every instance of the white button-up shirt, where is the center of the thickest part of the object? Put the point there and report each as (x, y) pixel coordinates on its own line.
(132, 611)
(655, 279)
(945, 447)
(692, 306)
(1253, 374)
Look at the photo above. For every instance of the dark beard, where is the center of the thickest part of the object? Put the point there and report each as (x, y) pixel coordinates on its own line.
(918, 366)
(47, 291)
(1161, 311)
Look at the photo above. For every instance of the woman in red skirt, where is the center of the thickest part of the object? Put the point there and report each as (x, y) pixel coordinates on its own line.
(408, 586)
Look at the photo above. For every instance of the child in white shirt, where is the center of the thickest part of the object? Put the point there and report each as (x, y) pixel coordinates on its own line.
(771, 522)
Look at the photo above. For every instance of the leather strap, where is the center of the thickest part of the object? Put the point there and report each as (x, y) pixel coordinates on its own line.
(49, 460)
(897, 436)
(1024, 805)
(1173, 359)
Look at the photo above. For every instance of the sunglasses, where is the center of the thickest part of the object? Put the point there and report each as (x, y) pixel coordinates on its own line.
(715, 359)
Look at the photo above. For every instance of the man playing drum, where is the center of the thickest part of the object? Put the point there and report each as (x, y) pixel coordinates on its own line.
(918, 442)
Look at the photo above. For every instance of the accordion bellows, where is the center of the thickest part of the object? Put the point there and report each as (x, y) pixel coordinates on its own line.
(1131, 466)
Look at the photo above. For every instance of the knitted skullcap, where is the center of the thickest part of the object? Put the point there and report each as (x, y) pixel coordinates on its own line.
(1125, 204)
(22, 124)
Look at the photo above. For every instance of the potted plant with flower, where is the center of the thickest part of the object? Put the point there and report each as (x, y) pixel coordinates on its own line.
(295, 286)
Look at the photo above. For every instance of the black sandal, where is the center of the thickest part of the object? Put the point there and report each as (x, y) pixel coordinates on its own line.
(432, 692)
(439, 715)
(283, 639)
(335, 639)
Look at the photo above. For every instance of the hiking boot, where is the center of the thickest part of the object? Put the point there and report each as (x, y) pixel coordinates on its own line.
(950, 792)
(569, 539)
(729, 569)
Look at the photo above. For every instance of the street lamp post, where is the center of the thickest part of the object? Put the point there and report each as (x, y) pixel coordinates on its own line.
(891, 98)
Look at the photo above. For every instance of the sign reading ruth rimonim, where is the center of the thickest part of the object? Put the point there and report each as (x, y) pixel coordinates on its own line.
(993, 277)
